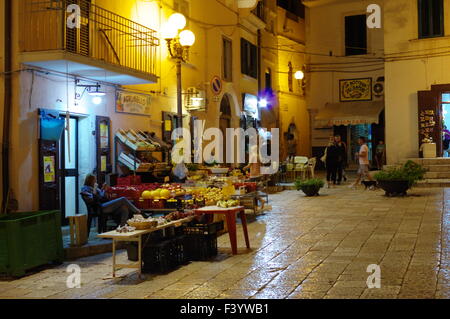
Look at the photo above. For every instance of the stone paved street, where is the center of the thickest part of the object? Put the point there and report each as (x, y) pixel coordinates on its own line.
(304, 248)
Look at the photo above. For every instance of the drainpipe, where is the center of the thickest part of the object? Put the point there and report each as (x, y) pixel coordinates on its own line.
(7, 101)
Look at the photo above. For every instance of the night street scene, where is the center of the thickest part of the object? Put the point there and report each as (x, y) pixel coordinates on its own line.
(233, 155)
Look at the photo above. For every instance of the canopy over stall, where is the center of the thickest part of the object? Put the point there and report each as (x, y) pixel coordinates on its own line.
(349, 113)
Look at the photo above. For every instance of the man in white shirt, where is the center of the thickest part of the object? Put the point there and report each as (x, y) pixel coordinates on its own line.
(363, 157)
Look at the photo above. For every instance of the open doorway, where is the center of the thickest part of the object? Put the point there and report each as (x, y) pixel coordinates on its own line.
(446, 124)
(69, 170)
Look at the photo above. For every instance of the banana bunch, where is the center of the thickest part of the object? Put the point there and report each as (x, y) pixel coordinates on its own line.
(228, 203)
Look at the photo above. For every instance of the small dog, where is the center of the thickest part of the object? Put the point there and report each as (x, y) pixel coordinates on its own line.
(372, 185)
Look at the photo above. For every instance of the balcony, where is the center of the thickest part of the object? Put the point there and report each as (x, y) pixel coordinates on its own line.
(103, 47)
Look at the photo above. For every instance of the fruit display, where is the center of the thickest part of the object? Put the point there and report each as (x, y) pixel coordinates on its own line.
(210, 195)
(228, 204)
(125, 229)
(178, 215)
(141, 223)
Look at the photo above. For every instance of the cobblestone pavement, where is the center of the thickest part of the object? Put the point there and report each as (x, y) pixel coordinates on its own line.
(305, 248)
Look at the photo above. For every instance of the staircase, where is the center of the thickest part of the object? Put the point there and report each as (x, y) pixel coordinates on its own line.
(438, 174)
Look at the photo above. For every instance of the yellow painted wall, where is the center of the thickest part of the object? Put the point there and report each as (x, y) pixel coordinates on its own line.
(292, 105)
(404, 77)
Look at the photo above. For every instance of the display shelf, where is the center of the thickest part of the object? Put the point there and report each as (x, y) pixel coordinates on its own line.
(128, 156)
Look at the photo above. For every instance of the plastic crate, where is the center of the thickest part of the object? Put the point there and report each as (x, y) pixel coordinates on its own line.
(200, 247)
(164, 256)
(29, 240)
(204, 229)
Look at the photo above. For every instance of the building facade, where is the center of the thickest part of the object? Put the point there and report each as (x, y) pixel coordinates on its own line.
(118, 50)
(345, 68)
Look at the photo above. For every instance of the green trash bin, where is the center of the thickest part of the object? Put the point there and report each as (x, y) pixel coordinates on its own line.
(29, 240)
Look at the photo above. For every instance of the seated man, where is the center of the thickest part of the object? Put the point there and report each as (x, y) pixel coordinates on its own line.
(122, 209)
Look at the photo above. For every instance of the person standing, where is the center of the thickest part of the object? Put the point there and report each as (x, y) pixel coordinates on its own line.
(380, 155)
(446, 141)
(331, 162)
(363, 158)
(342, 158)
(292, 148)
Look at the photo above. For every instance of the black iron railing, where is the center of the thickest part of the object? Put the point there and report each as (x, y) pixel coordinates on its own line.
(103, 35)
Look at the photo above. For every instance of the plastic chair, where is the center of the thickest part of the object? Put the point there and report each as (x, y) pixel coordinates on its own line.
(301, 165)
(95, 212)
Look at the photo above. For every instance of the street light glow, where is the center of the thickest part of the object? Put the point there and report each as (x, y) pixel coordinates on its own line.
(177, 21)
(169, 32)
(299, 75)
(187, 38)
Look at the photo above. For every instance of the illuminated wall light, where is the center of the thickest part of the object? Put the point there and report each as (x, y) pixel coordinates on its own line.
(263, 103)
(299, 75)
(97, 100)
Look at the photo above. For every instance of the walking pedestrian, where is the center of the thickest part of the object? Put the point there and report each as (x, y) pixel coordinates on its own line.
(363, 158)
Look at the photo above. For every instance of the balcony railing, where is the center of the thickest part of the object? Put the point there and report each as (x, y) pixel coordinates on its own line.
(102, 35)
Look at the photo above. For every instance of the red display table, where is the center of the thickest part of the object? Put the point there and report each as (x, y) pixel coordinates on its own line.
(230, 214)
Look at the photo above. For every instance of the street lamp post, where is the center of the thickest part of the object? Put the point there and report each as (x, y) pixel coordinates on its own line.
(179, 42)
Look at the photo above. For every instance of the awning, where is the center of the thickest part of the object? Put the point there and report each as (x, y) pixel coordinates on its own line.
(349, 113)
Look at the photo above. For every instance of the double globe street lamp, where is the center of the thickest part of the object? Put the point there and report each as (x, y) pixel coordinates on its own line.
(179, 40)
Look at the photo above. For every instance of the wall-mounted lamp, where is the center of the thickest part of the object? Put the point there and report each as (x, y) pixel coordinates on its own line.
(93, 90)
(301, 78)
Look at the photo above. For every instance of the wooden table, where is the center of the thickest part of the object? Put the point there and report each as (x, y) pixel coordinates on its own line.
(136, 237)
(230, 214)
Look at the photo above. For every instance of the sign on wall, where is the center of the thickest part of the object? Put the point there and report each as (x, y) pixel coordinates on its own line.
(133, 103)
(355, 90)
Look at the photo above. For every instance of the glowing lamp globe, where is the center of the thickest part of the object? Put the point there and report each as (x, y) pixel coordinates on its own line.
(177, 21)
(299, 75)
(97, 100)
(169, 32)
(187, 38)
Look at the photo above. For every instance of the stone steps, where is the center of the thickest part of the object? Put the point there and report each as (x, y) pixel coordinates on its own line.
(430, 183)
(438, 174)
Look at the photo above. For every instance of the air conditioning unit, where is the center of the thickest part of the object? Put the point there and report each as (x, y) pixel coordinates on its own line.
(378, 87)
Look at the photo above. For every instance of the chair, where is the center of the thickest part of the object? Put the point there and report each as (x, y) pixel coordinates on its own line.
(95, 212)
(301, 165)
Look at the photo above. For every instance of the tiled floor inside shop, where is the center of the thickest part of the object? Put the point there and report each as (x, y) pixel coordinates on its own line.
(304, 248)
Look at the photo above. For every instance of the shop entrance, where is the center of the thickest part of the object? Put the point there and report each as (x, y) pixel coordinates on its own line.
(446, 124)
(69, 186)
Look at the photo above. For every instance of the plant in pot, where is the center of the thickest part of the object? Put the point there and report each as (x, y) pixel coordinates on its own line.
(397, 181)
(310, 187)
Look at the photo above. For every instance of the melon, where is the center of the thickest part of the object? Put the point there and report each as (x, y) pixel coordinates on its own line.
(147, 195)
(165, 194)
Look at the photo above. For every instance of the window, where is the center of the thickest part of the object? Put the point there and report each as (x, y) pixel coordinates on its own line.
(268, 79)
(356, 35)
(249, 59)
(431, 21)
(295, 7)
(227, 60)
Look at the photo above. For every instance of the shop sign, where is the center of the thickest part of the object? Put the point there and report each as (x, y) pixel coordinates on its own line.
(133, 103)
(427, 123)
(355, 90)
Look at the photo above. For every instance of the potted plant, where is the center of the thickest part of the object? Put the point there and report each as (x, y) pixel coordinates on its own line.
(310, 187)
(397, 181)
